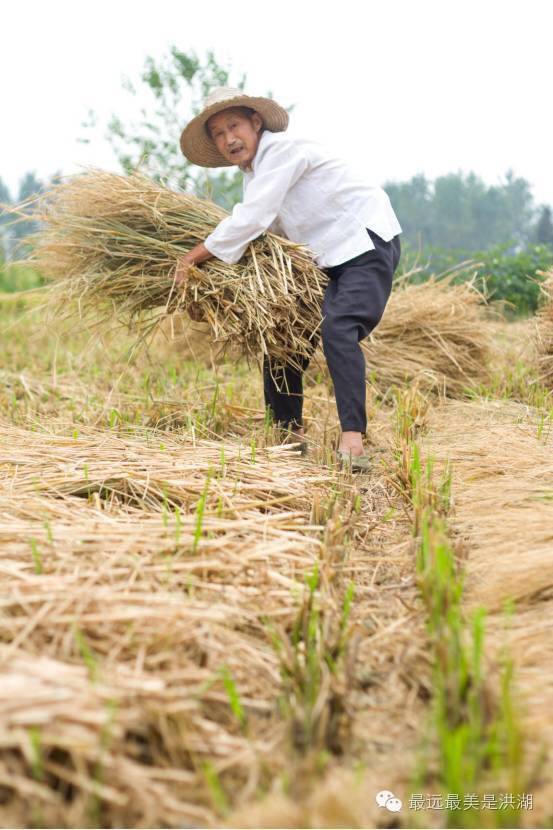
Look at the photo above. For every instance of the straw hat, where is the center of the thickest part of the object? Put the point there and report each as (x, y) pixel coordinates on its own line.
(195, 141)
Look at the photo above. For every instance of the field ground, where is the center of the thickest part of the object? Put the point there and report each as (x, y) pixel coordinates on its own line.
(201, 627)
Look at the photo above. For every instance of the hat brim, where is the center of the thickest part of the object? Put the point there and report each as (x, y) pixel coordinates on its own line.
(198, 147)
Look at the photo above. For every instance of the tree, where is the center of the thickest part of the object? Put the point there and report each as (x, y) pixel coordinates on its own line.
(176, 86)
(5, 197)
(29, 186)
(5, 218)
(460, 211)
(14, 229)
(544, 227)
(412, 202)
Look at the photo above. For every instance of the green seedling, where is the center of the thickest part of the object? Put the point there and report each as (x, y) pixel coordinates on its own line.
(200, 510)
(37, 754)
(218, 795)
(87, 654)
(178, 524)
(37, 556)
(213, 406)
(470, 739)
(233, 697)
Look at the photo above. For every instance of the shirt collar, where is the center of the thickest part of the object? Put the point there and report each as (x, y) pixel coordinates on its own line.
(259, 145)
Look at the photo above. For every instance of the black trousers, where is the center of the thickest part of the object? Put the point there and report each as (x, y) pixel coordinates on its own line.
(354, 302)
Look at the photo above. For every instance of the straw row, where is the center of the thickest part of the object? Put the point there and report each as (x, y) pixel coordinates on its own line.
(141, 681)
(502, 490)
(144, 576)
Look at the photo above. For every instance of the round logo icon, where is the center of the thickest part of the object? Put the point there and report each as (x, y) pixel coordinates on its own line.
(393, 805)
(386, 798)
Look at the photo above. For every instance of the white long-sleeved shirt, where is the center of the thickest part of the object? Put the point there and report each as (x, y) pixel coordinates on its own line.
(297, 190)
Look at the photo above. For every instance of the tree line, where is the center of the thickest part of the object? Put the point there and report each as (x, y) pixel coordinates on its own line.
(13, 230)
(460, 211)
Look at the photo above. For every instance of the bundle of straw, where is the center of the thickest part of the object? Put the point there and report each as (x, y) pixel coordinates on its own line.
(545, 331)
(111, 243)
(435, 334)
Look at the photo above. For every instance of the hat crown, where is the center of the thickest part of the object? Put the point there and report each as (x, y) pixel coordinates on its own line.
(222, 93)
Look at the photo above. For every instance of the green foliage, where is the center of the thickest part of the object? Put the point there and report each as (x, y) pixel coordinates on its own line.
(315, 668)
(474, 738)
(18, 277)
(515, 278)
(544, 227)
(216, 790)
(458, 217)
(200, 510)
(500, 274)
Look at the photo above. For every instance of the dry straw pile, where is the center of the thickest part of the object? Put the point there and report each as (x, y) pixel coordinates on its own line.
(545, 332)
(140, 577)
(144, 579)
(111, 243)
(434, 334)
(437, 334)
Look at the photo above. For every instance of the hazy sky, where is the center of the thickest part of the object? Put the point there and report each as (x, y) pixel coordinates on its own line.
(396, 87)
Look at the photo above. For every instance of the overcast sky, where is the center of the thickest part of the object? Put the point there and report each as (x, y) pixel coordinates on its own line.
(397, 87)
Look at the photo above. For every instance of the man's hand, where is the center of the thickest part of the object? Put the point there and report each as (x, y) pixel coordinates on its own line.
(193, 310)
(198, 254)
(183, 266)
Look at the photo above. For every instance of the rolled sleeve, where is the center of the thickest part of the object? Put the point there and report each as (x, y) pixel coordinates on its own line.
(276, 171)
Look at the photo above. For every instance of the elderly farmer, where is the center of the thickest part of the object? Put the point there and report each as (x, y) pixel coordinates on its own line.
(293, 188)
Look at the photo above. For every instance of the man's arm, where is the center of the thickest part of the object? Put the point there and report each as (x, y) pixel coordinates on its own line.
(279, 168)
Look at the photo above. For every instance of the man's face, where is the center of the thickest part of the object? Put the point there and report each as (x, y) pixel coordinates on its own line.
(235, 135)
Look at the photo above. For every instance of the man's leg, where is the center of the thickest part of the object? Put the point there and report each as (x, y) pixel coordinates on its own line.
(354, 302)
(283, 388)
